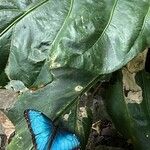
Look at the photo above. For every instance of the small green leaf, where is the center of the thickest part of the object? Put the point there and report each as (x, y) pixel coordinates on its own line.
(16, 86)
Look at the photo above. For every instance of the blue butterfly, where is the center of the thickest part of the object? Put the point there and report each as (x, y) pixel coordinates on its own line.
(46, 136)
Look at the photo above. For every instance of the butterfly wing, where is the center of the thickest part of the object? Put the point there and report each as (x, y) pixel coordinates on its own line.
(41, 128)
(65, 140)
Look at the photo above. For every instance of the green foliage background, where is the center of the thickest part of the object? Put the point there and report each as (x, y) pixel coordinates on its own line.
(58, 49)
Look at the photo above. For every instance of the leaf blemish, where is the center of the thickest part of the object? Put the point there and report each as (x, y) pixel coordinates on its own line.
(132, 91)
(54, 63)
(78, 88)
(66, 116)
(83, 112)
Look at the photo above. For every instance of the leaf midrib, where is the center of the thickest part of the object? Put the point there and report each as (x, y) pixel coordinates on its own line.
(64, 23)
(22, 16)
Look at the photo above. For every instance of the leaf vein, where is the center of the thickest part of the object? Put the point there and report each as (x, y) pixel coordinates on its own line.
(109, 21)
(64, 23)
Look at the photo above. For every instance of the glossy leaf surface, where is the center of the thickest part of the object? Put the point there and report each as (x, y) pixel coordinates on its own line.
(56, 101)
(85, 34)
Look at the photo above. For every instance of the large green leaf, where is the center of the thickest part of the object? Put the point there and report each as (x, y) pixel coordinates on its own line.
(130, 117)
(80, 34)
(56, 100)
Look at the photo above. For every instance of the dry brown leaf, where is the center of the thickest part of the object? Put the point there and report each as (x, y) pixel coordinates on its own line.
(7, 126)
(7, 99)
(132, 91)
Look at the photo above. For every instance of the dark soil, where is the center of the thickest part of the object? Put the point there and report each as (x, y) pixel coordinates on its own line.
(104, 135)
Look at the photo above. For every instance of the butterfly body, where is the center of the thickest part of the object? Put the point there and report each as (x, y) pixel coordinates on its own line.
(46, 136)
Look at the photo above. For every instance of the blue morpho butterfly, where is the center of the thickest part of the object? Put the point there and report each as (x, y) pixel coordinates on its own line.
(47, 136)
